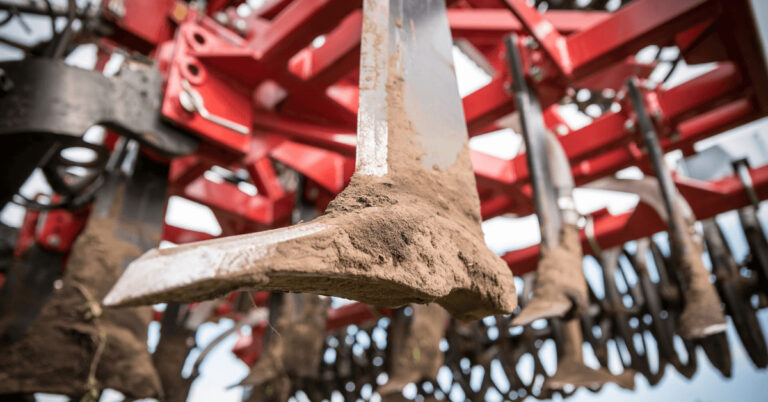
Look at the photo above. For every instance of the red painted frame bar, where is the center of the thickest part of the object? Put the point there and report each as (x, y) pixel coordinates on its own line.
(707, 199)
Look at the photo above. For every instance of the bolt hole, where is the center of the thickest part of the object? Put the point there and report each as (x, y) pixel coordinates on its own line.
(193, 69)
(199, 38)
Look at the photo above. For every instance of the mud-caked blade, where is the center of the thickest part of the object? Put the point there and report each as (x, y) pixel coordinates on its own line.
(406, 229)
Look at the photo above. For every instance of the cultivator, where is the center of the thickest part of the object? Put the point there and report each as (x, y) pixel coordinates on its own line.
(271, 116)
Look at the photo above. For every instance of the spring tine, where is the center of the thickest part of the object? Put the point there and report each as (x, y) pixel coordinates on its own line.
(571, 369)
(756, 239)
(660, 325)
(734, 295)
(718, 352)
(414, 355)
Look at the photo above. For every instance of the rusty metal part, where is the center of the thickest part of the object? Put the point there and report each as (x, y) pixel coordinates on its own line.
(407, 228)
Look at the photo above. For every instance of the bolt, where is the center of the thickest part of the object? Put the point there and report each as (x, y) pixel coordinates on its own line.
(608, 93)
(536, 73)
(531, 43)
(221, 18)
(561, 129)
(240, 25)
(54, 240)
(629, 125)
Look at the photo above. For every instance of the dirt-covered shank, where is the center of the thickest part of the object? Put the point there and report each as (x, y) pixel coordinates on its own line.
(407, 231)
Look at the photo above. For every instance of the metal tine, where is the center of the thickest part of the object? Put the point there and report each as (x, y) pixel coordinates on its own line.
(634, 291)
(701, 315)
(598, 343)
(413, 190)
(660, 330)
(619, 313)
(293, 344)
(733, 292)
(651, 304)
(671, 294)
(413, 347)
(560, 287)
(571, 370)
(750, 224)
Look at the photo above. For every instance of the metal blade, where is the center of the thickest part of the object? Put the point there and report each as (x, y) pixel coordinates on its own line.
(406, 229)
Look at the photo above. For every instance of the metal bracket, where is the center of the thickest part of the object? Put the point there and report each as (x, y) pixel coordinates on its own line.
(192, 101)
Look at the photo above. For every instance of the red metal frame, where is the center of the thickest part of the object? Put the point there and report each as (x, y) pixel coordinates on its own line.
(300, 102)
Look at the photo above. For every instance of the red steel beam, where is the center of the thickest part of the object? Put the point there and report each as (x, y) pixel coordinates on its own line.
(707, 199)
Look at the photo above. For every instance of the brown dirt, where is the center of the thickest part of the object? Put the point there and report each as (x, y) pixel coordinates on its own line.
(702, 314)
(411, 236)
(294, 349)
(73, 335)
(560, 288)
(413, 351)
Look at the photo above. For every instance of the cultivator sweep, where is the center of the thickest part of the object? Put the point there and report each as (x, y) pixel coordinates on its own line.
(331, 144)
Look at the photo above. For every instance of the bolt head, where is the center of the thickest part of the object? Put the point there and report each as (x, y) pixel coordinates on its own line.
(531, 43)
(221, 18)
(54, 240)
(629, 125)
(536, 73)
(240, 25)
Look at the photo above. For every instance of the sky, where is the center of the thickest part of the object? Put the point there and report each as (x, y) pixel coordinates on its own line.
(222, 370)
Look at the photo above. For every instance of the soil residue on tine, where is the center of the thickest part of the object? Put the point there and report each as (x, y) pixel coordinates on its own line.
(702, 315)
(73, 337)
(410, 235)
(414, 352)
(560, 286)
(293, 350)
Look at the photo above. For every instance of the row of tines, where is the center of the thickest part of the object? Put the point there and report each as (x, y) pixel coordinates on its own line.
(636, 299)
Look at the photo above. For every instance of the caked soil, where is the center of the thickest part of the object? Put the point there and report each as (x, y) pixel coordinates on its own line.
(73, 336)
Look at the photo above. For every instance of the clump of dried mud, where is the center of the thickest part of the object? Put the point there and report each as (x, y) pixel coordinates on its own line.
(73, 337)
(560, 288)
(413, 235)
